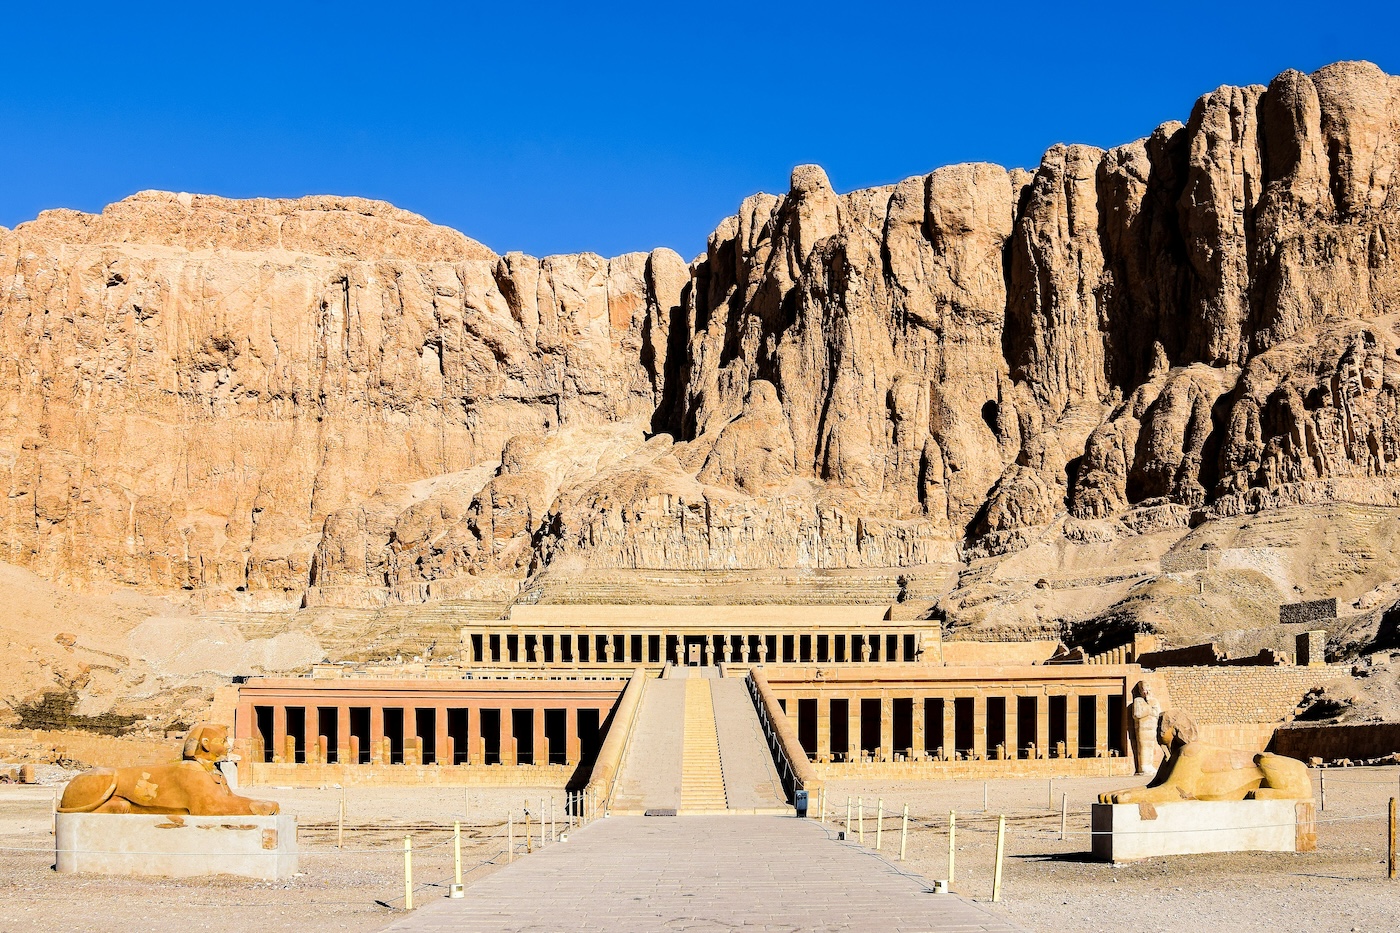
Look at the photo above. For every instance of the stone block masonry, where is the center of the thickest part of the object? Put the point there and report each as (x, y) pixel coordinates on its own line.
(159, 845)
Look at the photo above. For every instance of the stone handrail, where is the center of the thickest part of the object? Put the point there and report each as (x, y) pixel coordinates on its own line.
(793, 765)
(603, 778)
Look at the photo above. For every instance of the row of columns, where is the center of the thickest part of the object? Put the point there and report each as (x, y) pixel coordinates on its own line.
(918, 748)
(348, 750)
(657, 647)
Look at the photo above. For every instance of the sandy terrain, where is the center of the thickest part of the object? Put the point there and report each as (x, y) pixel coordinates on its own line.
(1049, 885)
(358, 888)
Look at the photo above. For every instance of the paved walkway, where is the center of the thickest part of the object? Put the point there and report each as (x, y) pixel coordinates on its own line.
(650, 777)
(701, 874)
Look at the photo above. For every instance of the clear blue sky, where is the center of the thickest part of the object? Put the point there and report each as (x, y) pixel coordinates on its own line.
(606, 127)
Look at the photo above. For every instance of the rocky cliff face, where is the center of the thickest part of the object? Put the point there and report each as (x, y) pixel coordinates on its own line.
(331, 401)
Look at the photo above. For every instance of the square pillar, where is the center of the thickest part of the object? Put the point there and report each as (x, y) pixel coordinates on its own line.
(279, 732)
(918, 727)
(572, 746)
(853, 728)
(1013, 727)
(1101, 725)
(823, 728)
(541, 753)
(440, 734)
(979, 727)
(342, 735)
(1072, 725)
(887, 726)
(1042, 725)
(950, 723)
(376, 735)
(476, 744)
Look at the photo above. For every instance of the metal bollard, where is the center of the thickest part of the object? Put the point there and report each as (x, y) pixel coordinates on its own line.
(1390, 857)
(848, 816)
(340, 827)
(510, 838)
(1001, 850)
(904, 833)
(407, 872)
(984, 796)
(880, 824)
(457, 852)
(1064, 812)
(541, 822)
(860, 817)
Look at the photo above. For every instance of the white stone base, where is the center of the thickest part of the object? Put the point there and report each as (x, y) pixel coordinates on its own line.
(1124, 832)
(263, 847)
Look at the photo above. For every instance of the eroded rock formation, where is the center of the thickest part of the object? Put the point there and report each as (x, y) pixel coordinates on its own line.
(331, 401)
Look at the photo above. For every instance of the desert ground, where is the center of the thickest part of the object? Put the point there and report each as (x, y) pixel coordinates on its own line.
(1048, 884)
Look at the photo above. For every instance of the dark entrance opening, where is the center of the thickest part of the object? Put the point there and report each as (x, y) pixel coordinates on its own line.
(807, 726)
(263, 717)
(1026, 718)
(1115, 727)
(491, 736)
(393, 731)
(904, 725)
(425, 721)
(328, 725)
(556, 730)
(996, 725)
(296, 728)
(457, 731)
(840, 729)
(1059, 728)
(933, 724)
(522, 729)
(869, 725)
(653, 649)
(588, 739)
(963, 715)
(1088, 725)
(359, 731)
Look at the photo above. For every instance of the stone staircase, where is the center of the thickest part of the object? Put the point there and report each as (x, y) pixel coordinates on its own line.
(702, 775)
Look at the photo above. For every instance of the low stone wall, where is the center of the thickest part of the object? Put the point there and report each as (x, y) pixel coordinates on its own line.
(1125, 832)
(157, 845)
(321, 775)
(1357, 741)
(974, 770)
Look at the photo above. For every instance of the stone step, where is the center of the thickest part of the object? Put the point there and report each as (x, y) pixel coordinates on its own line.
(702, 776)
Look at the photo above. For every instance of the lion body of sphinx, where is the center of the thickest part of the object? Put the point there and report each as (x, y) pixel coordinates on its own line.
(192, 786)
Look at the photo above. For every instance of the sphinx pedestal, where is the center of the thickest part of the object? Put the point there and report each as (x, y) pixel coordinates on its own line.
(1124, 832)
(262, 847)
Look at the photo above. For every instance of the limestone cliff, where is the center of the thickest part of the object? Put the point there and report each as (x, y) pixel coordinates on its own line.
(329, 401)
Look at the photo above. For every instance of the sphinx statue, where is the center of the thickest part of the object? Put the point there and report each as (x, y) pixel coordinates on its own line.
(192, 786)
(1194, 770)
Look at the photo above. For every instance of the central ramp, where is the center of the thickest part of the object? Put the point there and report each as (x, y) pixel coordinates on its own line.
(701, 874)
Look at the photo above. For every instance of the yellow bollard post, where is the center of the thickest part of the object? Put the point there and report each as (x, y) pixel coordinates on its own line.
(952, 846)
(904, 833)
(407, 872)
(880, 824)
(1001, 850)
(457, 852)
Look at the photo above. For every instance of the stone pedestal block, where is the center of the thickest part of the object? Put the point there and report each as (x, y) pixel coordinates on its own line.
(262, 847)
(1124, 832)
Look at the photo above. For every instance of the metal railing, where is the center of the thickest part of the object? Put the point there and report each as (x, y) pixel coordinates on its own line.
(794, 768)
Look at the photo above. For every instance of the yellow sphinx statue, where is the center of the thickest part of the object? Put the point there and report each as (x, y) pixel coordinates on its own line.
(1194, 770)
(192, 786)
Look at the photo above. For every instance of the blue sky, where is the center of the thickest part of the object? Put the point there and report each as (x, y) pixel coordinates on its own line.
(612, 127)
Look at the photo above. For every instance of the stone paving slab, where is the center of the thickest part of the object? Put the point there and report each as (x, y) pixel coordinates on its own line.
(651, 767)
(701, 874)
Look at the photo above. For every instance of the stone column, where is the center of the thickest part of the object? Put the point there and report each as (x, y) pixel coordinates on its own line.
(919, 727)
(541, 750)
(572, 745)
(476, 742)
(279, 732)
(342, 736)
(887, 726)
(853, 728)
(1072, 725)
(950, 726)
(1042, 725)
(979, 726)
(440, 748)
(1013, 728)
(1101, 725)
(823, 728)
(376, 735)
